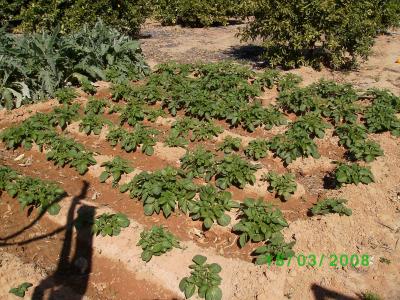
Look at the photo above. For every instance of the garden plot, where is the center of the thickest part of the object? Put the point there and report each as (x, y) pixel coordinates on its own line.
(194, 148)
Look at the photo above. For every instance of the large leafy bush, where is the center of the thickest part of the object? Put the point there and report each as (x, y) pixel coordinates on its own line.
(336, 32)
(36, 15)
(33, 67)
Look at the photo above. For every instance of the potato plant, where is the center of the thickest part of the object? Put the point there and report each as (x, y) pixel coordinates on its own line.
(274, 249)
(233, 170)
(156, 241)
(230, 144)
(312, 124)
(66, 95)
(92, 124)
(211, 207)
(95, 106)
(199, 163)
(350, 134)
(381, 118)
(110, 224)
(115, 168)
(365, 150)
(353, 174)
(21, 290)
(204, 278)
(257, 149)
(161, 191)
(64, 115)
(331, 205)
(258, 222)
(33, 192)
(283, 185)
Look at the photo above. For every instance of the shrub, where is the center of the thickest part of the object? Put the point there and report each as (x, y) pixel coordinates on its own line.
(336, 32)
(195, 13)
(37, 15)
(34, 67)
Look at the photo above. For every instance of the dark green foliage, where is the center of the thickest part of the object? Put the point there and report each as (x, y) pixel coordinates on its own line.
(274, 249)
(204, 278)
(37, 15)
(298, 100)
(365, 150)
(32, 192)
(269, 78)
(312, 124)
(20, 290)
(132, 114)
(258, 222)
(95, 106)
(161, 190)
(230, 144)
(353, 173)
(257, 149)
(64, 115)
(199, 163)
(115, 168)
(331, 205)
(292, 145)
(195, 13)
(211, 207)
(65, 151)
(233, 170)
(380, 118)
(66, 95)
(142, 136)
(156, 241)
(289, 81)
(92, 123)
(283, 185)
(351, 134)
(36, 66)
(384, 97)
(335, 33)
(110, 224)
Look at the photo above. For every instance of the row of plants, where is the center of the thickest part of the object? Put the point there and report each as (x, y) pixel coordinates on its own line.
(39, 130)
(31, 192)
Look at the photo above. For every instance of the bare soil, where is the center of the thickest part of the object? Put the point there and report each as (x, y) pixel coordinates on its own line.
(63, 263)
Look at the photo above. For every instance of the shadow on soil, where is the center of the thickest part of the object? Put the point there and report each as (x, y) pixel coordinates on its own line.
(321, 293)
(74, 267)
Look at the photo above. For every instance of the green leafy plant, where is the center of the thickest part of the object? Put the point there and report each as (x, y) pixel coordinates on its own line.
(381, 118)
(331, 205)
(319, 33)
(20, 290)
(289, 81)
(312, 124)
(269, 78)
(36, 193)
(66, 95)
(365, 150)
(283, 185)
(132, 114)
(65, 151)
(142, 136)
(211, 207)
(274, 249)
(351, 134)
(95, 106)
(115, 168)
(292, 145)
(7, 175)
(153, 114)
(161, 191)
(204, 278)
(353, 173)
(259, 222)
(230, 144)
(233, 170)
(110, 224)
(199, 163)
(156, 241)
(64, 115)
(257, 149)
(298, 100)
(92, 123)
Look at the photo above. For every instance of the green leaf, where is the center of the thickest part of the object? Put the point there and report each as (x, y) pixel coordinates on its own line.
(214, 293)
(199, 259)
